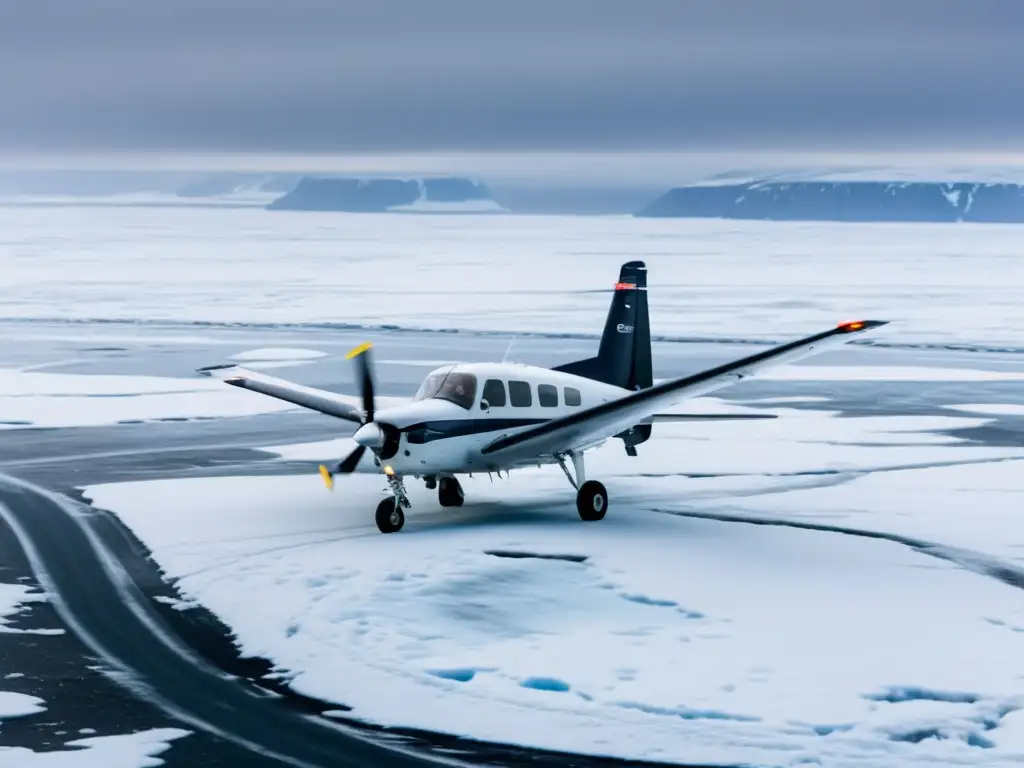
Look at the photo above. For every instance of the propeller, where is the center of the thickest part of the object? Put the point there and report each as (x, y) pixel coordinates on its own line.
(370, 434)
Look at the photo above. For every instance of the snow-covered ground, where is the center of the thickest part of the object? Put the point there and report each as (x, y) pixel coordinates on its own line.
(31, 397)
(34, 398)
(131, 750)
(19, 705)
(12, 598)
(277, 354)
(252, 198)
(465, 206)
(771, 280)
(676, 638)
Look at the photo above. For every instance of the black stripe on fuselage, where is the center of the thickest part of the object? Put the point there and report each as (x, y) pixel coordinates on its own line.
(429, 431)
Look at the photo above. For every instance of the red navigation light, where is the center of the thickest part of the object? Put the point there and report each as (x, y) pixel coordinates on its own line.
(852, 325)
(624, 286)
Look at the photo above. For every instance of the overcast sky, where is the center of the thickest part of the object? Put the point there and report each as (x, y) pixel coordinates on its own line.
(382, 75)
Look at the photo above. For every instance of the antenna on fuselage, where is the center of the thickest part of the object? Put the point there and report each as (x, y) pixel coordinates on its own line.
(508, 349)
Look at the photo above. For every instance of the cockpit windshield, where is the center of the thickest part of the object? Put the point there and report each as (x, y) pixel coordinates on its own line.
(450, 385)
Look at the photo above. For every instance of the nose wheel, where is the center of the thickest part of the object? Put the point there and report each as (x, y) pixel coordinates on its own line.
(390, 517)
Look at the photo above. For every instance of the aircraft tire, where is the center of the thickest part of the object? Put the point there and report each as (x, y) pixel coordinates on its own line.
(390, 517)
(449, 492)
(592, 501)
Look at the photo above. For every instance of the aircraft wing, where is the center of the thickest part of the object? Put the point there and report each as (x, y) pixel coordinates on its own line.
(321, 400)
(658, 418)
(593, 425)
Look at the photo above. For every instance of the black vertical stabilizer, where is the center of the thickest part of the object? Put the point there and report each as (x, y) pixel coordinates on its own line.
(624, 356)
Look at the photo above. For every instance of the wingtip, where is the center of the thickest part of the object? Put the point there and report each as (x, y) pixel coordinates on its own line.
(207, 370)
(856, 326)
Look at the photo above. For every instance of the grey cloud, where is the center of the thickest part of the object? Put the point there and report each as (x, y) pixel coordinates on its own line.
(299, 75)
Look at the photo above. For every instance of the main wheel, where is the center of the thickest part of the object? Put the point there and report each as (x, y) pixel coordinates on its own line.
(390, 517)
(591, 501)
(449, 492)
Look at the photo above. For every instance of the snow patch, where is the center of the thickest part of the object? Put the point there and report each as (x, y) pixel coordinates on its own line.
(991, 409)
(19, 705)
(134, 750)
(279, 353)
(175, 603)
(34, 398)
(464, 206)
(884, 373)
(12, 599)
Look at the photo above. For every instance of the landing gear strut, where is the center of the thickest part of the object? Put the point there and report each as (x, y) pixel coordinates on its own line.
(390, 515)
(591, 496)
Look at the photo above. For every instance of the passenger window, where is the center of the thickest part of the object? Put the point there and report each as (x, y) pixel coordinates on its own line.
(572, 396)
(547, 395)
(519, 394)
(494, 393)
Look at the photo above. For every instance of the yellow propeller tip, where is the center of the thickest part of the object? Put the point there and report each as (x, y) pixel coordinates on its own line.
(325, 473)
(358, 350)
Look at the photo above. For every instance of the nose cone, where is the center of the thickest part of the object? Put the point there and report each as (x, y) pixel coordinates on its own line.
(369, 436)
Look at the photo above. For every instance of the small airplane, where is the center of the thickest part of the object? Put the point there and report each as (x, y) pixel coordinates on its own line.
(496, 417)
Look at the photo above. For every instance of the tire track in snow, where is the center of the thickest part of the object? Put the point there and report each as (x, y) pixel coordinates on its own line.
(95, 597)
(971, 560)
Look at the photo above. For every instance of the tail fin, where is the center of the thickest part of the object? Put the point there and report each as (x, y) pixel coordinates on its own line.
(624, 357)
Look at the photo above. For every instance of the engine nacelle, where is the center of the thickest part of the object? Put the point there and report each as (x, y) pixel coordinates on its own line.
(635, 435)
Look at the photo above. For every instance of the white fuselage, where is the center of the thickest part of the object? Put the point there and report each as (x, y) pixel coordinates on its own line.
(444, 431)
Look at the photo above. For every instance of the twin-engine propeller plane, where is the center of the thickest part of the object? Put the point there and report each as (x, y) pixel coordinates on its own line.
(495, 417)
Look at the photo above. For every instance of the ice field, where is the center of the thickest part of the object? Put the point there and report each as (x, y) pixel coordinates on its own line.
(548, 274)
(675, 638)
(876, 622)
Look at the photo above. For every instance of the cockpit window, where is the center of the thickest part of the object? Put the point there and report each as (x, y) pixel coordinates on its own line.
(431, 385)
(453, 386)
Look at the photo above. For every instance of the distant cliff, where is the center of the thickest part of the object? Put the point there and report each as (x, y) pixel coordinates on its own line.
(862, 201)
(382, 195)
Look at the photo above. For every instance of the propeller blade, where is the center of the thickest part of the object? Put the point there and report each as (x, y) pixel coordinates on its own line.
(325, 473)
(348, 464)
(362, 354)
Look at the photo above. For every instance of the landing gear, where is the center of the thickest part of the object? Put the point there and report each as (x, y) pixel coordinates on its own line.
(449, 492)
(591, 501)
(390, 517)
(591, 496)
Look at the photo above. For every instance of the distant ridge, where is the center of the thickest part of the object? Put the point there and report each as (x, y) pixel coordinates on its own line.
(388, 195)
(845, 200)
(238, 183)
